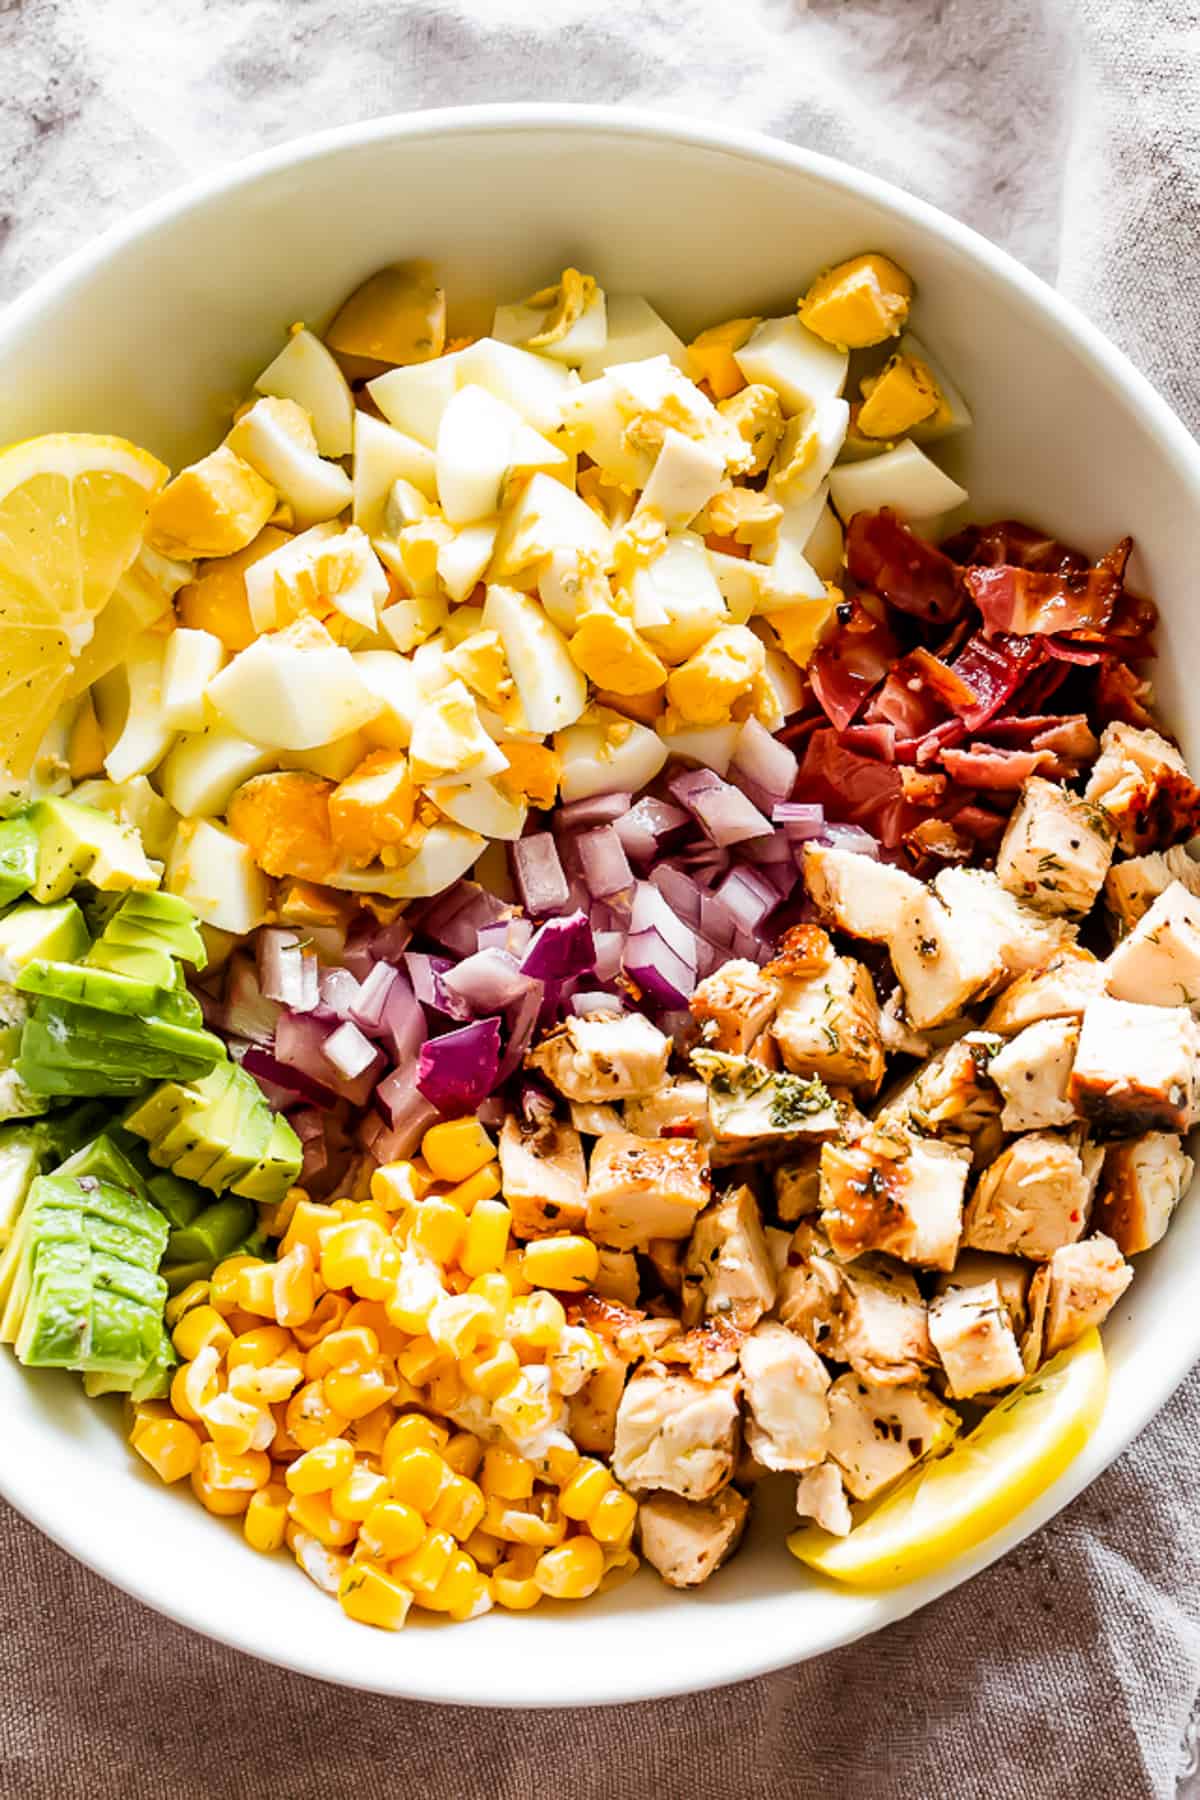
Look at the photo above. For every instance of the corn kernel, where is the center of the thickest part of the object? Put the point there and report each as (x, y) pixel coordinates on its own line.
(528, 1406)
(411, 1432)
(349, 1346)
(613, 1517)
(294, 1286)
(445, 1393)
(417, 1476)
(456, 1148)
(420, 1361)
(323, 1566)
(269, 1386)
(439, 1229)
(496, 1289)
(310, 1418)
(237, 1426)
(242, 1474)
(313, 1513)
(506, 1476)
(486, 1550)
(324, 1467)
(283, 1446)
(195, 1384)
(308, 1221)
(464, 1453)
(223, 1287)
(537, 1320)
(359, 1255)
(512, 1591)
(590, 1482)
(491, 1371)
(460, 1322)
(483, 1185)
(265, 1519)
(369, 1435)
(258, 1348)
(398, 1186)
(363, 1488)
(424, 1567)
(512, 1270)
(170, 1446)
(572, 1570)
(459, 1507)
(416, 1292)
(391, 1529)
(373, 1597)
(355, 1392)
(194, 1294)
(569, 1264)
(256, 1290)
(460, 1590)
(486, 1243)
(328, 1315)
(559, 1463)
(371, 1315)
(274, 1220)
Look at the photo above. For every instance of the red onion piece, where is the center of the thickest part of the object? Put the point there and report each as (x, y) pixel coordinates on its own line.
(681, 891)
(609, 945)
(722, 811)
(350, 1052)
(403, 1021)
(491, 1112)
(538, 873)
(644, 829)
(287, 969)
(799, 818)
(659, 971)
(851, 837)
(409, 1117)
(560, 949)
(604, 863)
(368, 1005)
(512, 935)
(246, 1012)
(749, 896)
(594, 1002)
(597, 809)
(486, 982)
(522, 1022)
(271, 1074)
(426, 972)
(455, 1072)
(300, 1044)
(339, 990)
(651, 913)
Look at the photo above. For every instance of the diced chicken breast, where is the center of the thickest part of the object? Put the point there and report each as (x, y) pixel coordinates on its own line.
(594, 1118)
(1023, 938)
(728, 1271)
(827, 1025)
(798, 1185)
(1033, 1073)
(752, 1110)
(893, 1191)
(643, 1188)
(592, 1411)
(1158, 964)
(785, 1384)
(821, 1496)
(1011, 1275)
(677, 1433)
(1036, 1196)
(1135, 1067)
(898, 1036)
(617, 1276)
(868, 1313)
(1134, 884)
(733, 1005)
(678, 1109)
(944, 961)
(665, 1256)
(1060, 989)
(1085, 1282)
(542, 1177)
(1142, 1182)
(877, 1433)
(779, 1245)
(1142, 783)
(856, 894)
(1056, 849)
(688, 1540)
(974, 1338)
(952, 1095)
(603, 1057)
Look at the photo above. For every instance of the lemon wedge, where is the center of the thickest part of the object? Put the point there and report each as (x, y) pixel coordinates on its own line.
(72, 513)
(946, 1507)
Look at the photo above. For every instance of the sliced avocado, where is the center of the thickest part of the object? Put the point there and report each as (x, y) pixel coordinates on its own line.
(103, 1158)
(161, 1109)
(213, 1234)
(103, 988)
(189, 1147)
(21, 1156)
(178, 1201)
(247, 1138)
(271, 1177)
(29, 931)
(217, 1131)
(160, 921)
(74, 1049)
(18, 857)
(76, 843)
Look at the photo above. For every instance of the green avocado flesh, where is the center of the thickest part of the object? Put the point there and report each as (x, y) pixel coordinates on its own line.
(18, 857)
(220, 1132)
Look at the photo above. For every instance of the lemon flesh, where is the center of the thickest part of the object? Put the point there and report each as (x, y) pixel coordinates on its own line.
(946, 1507)
(72, 514)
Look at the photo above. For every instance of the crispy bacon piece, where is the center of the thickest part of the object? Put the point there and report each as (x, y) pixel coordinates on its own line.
(1122, 694)
(878, 740)
(994, 668)
(913, 576)
(988, 766)
(1008, 541)
(854, 788)
(851, 662)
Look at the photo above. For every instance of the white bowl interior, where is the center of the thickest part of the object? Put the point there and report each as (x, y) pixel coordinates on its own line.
(157, 335)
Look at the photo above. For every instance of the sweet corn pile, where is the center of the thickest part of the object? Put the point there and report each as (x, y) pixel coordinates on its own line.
(387, 1399)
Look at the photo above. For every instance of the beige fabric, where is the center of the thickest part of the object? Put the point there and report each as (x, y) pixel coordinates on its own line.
(1067, 129)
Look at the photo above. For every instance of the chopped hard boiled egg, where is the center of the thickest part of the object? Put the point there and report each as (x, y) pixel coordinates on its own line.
(858, 303)
(306, 372)
(217, 875)
(212, 508)
(190, 660)
(146, 734)
(329, 572)
(293, 690)
(676, 601)
(276, 438)
(799, 367)
(552, 691)
(635, 331)
(904, 478)
(607, 753)
(567, 321)
(448, 739)
(204, 769)
(383, 455)
(446, 853)
(216, 599)
(482, 444)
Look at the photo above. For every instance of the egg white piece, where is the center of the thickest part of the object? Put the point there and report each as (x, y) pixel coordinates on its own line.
(306, 372)
(802, 368)
(904, 478)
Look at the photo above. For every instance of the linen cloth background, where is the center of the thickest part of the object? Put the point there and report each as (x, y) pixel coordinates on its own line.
(1069, 130)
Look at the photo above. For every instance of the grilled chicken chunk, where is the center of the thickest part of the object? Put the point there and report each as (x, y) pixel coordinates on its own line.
(617, 1277)
(877, 1433)
(1023, 938)
(542, 1177)
(1011, 1274)
(606, 1056)
(952, 1095)
(1036, 1196)
(688, 1540)
(1134, 885)
(1033, 1073)
(1135, 1067)
(592, 1118)
(798, 1185)
(898, 1036)
(677, 1433)
(943, 960)
(592, 1412)
(856, 894)
(1076, 1289)
(643, 1188)
(1142, 783)
(678, 1109)
(787, 1426)
(868, 1313)
(1158, 964)
(728, 1271)
(1056, 849)
(821, 1496)
(891, 1190)
(1142, 1182)
(752, 1111)
(734, 1005)
(827, 1025)
(1060, 989)
(973, 1335)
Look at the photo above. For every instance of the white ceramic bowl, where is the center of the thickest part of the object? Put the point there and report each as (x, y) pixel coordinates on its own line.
(157, 330)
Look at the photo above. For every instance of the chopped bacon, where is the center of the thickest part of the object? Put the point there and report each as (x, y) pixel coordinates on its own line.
(877, 740)
(907, 701)
(994, 668)
(851, 662)
(986, 766)
(912, 576)
(1122, 694)
(979, 822)
(1065, 651)
(1031, 604)
(854, 788)
(946, 683)
(938, 837)
(1069, 734)
(923, 786)
(1008, 541)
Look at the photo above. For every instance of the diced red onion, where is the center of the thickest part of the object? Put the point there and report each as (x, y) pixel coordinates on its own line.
(799, 818)
(644, 829)
(585, 1003)
(339, 990)
(538, 873)
(762, 760)
(718, 921)
(300, 1044)
(455, 1072)
(274, 1077)
(287, 970)
(308, 1124)
(367, 1006)
(491, 1112)
(722, 811)
(246, 1012)
(605, 865)
(651, 913)
(461, 932)
(749, 896)
(851, 837)
(350, 1052)
(486, 982)
(509, 934)
(409, 1116)
(560, 949)
(522, 1022)
(597, 809)
(403, 1022)
(681, 891)
(609, 945)
(659, 971)
(426, 972)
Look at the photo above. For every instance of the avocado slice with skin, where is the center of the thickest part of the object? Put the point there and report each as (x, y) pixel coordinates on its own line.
(271, 1178)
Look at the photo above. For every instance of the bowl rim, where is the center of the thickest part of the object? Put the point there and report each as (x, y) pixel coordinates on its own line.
(736, 1659)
